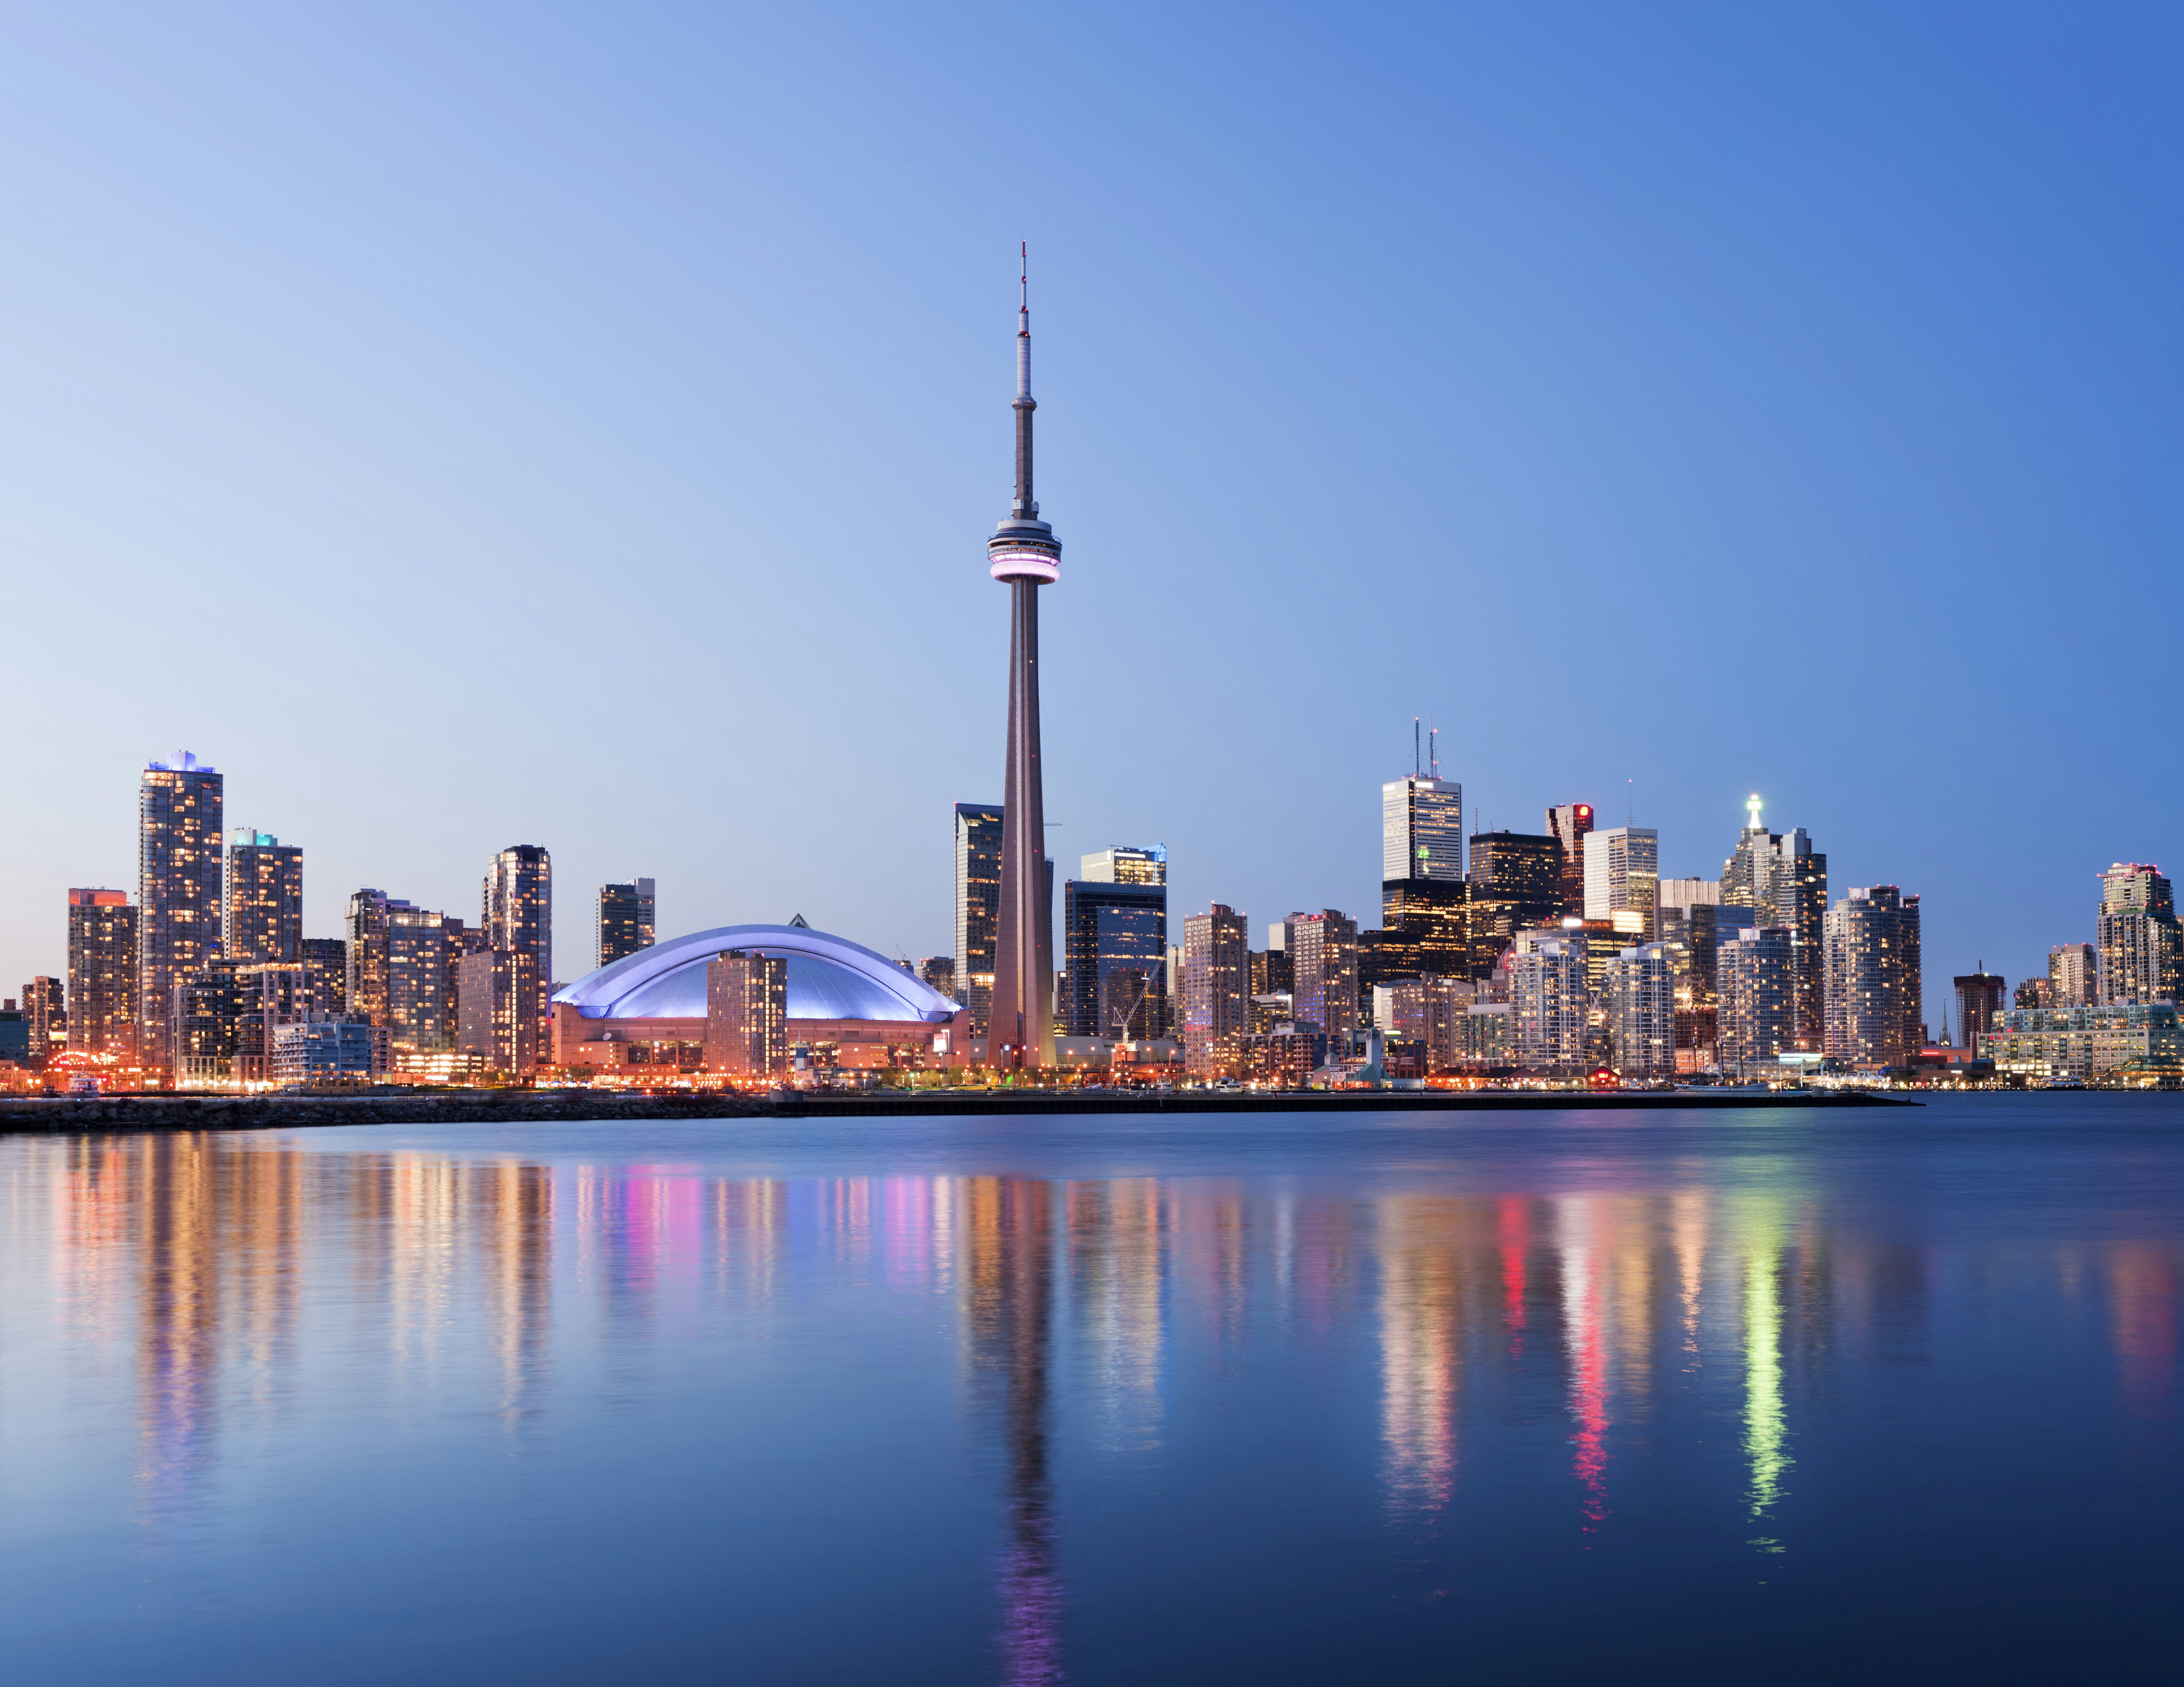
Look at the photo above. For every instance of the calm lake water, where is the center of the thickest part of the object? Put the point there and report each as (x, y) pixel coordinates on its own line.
(1882, 1396)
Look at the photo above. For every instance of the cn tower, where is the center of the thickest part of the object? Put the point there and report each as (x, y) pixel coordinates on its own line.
(1024, 555)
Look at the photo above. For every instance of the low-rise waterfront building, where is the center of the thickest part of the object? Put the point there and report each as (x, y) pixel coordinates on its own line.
(2086, 1043)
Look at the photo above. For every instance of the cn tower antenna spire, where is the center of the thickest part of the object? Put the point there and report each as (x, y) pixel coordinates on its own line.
(1026, 507)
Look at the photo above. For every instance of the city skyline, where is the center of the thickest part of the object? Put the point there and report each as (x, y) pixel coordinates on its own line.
(273, 395)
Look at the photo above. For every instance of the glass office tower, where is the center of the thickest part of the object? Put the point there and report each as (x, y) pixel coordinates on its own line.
(178, 891)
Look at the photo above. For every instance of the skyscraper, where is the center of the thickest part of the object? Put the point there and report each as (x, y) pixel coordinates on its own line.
(323, 988)
(495, 989)
(2136, 939)
(102, 973)
(1115, 944)
(178, 891)
(1874, 991)
(364, 936)
(1024, 555)
(1569, 823)
(518, 904)
(263, 913)
(1622, 867)
(1747, 875)
(978, 906)
(747, 1014)
(1524, 868)
(1421, 829)
(1754, 971)
(1799, 905)
(420, 983)
(1216, 984)
(1979, 999)
(1125, 864)
(2073, 976)
(1322, 951)
(625, 920)
(1550, 1004)
(1641, 1012)
(46, 1008)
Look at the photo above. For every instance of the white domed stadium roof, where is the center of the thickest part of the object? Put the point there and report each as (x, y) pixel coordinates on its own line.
(829, 977)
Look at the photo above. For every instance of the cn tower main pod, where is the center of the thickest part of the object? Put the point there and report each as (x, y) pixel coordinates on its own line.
(1024, 555)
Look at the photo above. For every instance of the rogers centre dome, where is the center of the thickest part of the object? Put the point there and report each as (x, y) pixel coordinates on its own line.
(829, 977)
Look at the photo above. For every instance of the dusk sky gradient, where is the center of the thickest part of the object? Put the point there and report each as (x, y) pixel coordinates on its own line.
(474, 424)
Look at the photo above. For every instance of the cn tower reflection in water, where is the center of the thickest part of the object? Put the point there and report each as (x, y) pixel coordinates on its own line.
(1562, 1351)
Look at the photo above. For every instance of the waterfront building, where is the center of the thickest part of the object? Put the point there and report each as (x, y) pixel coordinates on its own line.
(1217, 981)
(263, 913)
(1875, 1016)
(1281, 1059)
(625, 920)
(517, 914)
(364, 944)
(1569, 823)
(2088, 1042)
(1799, 901)
(1622, 867)
(1422, 830)
(494, 991)
(977, 905)
(1115, 942)
(1024, 555)
(1522, 870)
(1425, 930)
(1979, 999)
(328, 1050)
(2073, 976)
(1124, 865)
(15, 1039)
(206, 1023)
(2137, 950)
(178, 891)
(1487, 1035)
(1755, 972)
(1428, 1011)
(102, 973)
(2033, 992)
(1550, 1004)
(1641, 1011)
(324, 975)
(1322, 951)
(1271, 1010)
(747, 1014)
(420, 1010)
(45, 1010)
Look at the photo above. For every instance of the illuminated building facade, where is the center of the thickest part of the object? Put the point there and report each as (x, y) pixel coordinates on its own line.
(1322, 951)
(263, 914)
(102, 973)
(1622, 867)
(1641, 1012)
(1875, 1009)
(939, 971)
(1550, 1004)
(1754, 969)
(1422, 830)
(178, 891)
(625, 923)
(496, 990)
(518, 915)
(1523, 869)
(1216, 984)
(2136, 950)
(1114, 924)
(317, 1051)
(45, 1009)
(206, 1021)
(420, 983)
(978, 906)
(364, 957)
(324, 976)
(2074, 975)
(1124, 865)
(1569, 823)
(1429, 1012)
(1425, 931)
(2087, 1041)
(747, 1014)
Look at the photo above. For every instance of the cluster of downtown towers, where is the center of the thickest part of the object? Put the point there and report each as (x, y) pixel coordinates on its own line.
(208, 974)
(1559, 952)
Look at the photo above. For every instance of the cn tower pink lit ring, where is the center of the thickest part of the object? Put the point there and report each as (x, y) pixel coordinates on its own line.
(1025, 566)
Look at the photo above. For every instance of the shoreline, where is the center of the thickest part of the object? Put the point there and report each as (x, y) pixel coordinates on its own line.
(47, 1114)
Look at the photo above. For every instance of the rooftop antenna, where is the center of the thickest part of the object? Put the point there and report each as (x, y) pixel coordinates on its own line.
(1432, 750)
(1415, 769)
(1629, 801)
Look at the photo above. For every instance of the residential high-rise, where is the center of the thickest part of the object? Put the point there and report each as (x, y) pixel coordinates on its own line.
(178, 891)
(1747, 877)
(1568, 822)
(747, 1014)
(978, 906)
(364, 942)
(102, 973)
(1217, 988)
(1115, 945)
(1124, 865)
(45, 1008)
(1641, 1012)
(420, 984)
(1322, 951)
(1524, 868)
(1875, 1009)
(263, 914)
(495, 989)
(1755, 973)
(518, 915)
(2135, 944)
(1421, 829)
(1798, 901)
(625, 920)
(324, 982)
(1550, 1004)
(1979, 999)
(1621, 868)
(1024, 555)
(2074, 976)
(939, 971)
(1430, 1012)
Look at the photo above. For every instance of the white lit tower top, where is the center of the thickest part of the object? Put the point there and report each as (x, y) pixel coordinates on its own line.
(1024, 547)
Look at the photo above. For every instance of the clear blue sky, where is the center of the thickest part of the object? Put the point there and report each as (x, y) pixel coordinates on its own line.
(579, 425)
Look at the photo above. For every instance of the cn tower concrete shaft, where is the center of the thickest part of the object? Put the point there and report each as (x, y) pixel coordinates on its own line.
(1020, 1032)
